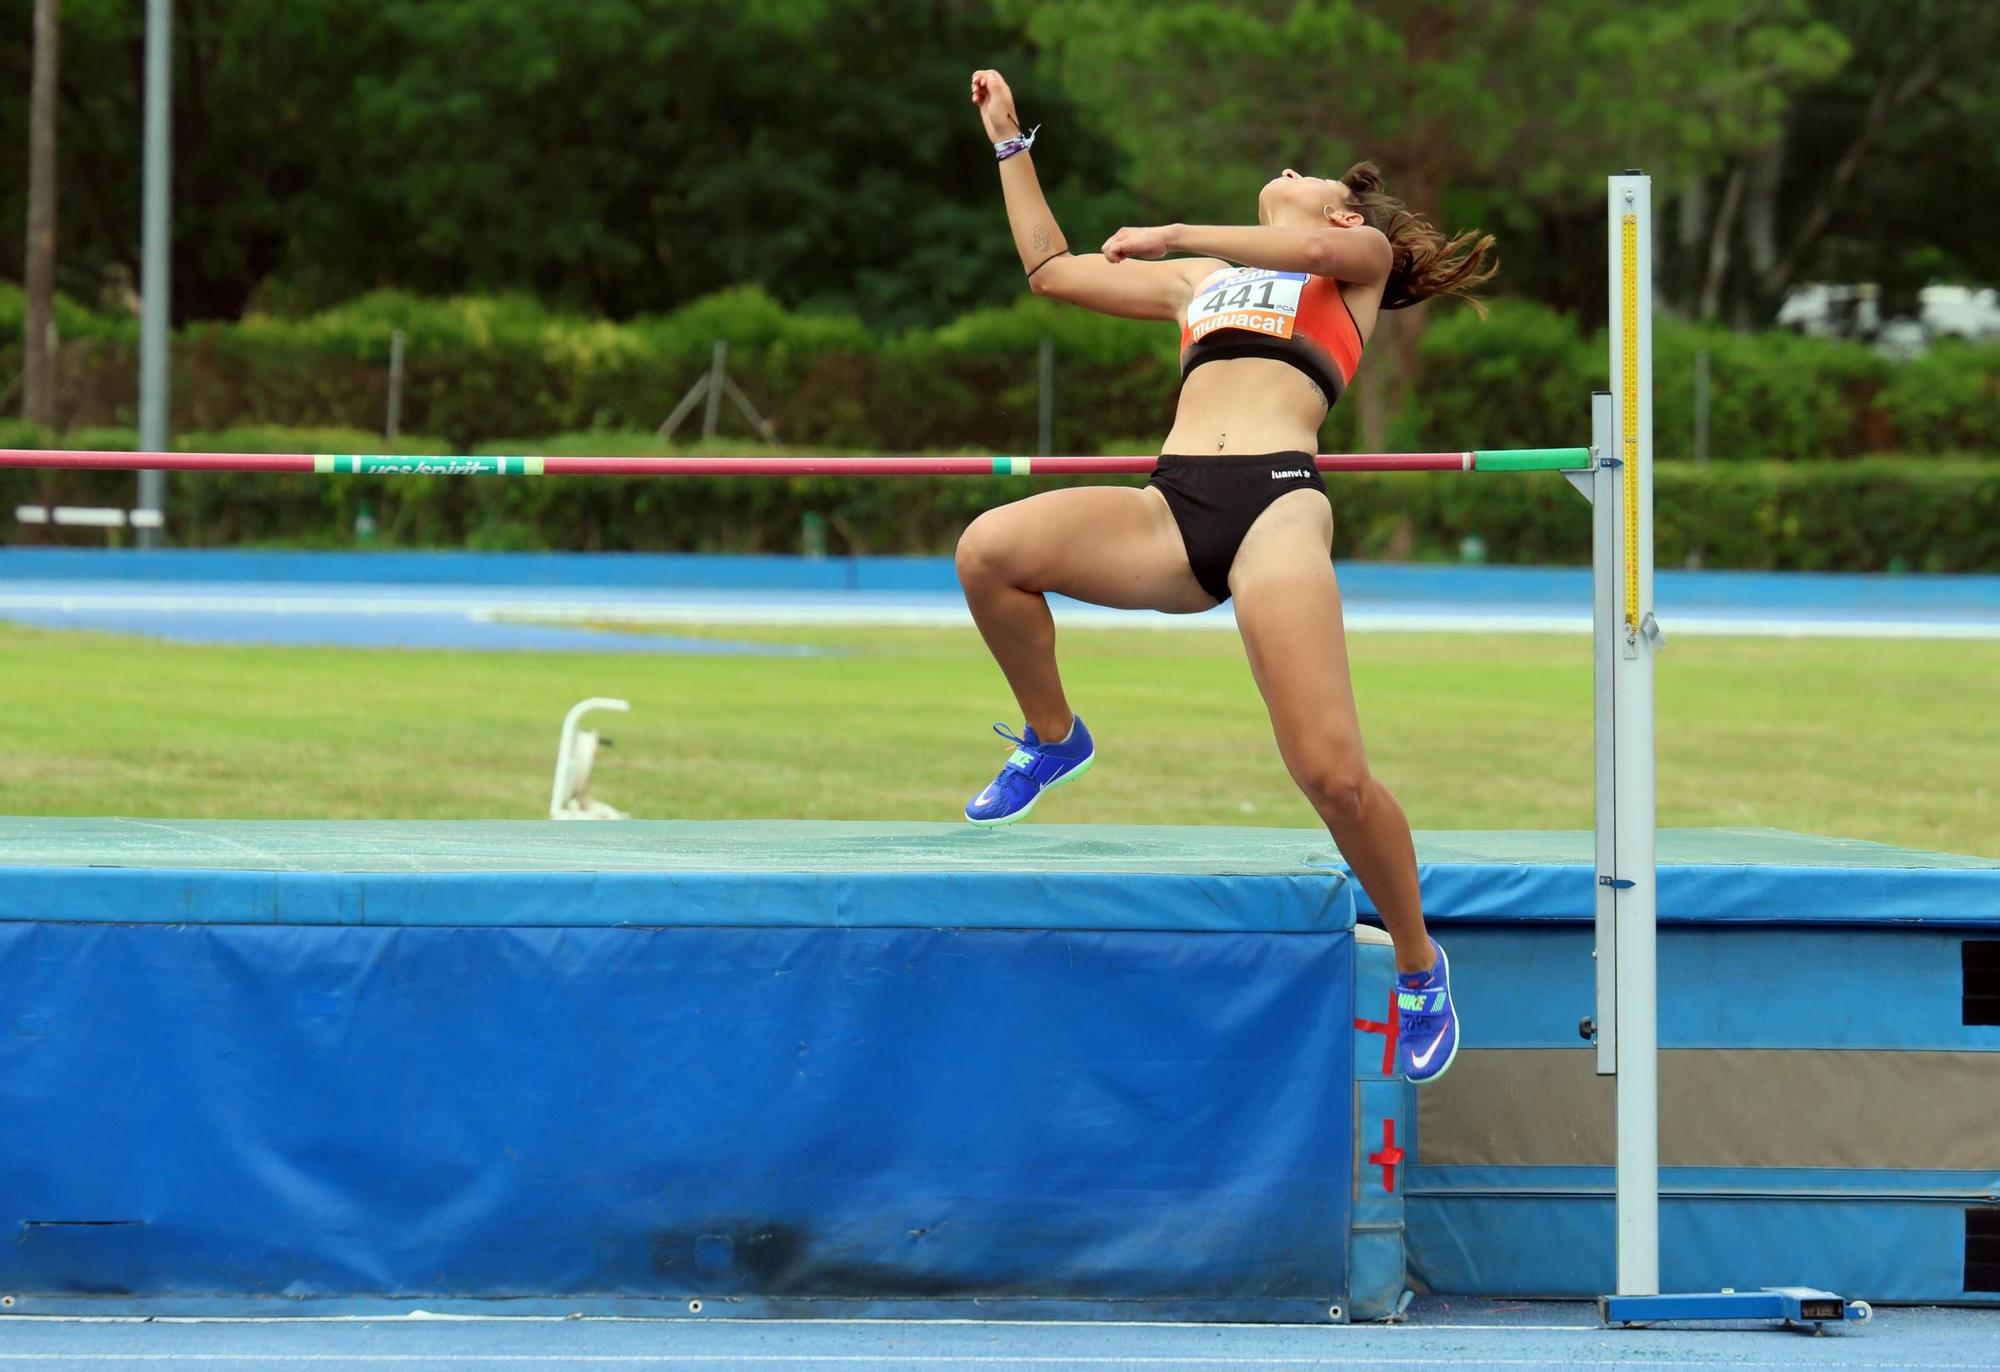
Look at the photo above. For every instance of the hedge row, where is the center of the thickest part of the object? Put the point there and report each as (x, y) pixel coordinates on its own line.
(481, 369)
(1872, 514)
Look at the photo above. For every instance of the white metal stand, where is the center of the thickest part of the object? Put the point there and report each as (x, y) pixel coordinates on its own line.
(576, 751)
(1627, 658)
(1627, 636)
(712, 386)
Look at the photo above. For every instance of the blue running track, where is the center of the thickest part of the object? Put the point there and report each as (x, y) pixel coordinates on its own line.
(562, 602)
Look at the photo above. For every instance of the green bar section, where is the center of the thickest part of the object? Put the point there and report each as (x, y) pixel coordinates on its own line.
(1530, 459)
(400, 465)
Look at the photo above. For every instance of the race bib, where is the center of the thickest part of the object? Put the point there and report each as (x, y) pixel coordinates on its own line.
(1251, 298)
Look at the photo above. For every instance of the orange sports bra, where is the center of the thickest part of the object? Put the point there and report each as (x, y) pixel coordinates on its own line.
(1290, 316)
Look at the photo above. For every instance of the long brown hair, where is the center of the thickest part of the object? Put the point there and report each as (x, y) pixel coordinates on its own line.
(1426, 263)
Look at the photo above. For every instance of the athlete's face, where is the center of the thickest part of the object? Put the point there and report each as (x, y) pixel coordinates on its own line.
(1294, 199)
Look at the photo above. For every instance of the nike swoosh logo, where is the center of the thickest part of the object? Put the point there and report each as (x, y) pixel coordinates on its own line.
(1423, 1059)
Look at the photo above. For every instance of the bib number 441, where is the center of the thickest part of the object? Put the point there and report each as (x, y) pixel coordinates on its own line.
(1249, 298)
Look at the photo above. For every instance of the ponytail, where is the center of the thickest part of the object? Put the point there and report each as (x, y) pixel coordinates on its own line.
(1424, 262)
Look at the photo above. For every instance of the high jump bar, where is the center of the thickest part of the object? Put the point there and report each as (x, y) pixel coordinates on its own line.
(365, 464)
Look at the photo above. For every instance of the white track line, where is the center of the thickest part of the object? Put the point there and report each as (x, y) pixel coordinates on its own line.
(865, 610)
(1400, 1329)
(1696, 1359)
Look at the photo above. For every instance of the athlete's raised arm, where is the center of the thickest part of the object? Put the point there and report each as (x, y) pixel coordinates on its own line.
(1136, 290)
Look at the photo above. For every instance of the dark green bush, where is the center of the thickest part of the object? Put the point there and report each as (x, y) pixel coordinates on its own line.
(1520, 378)
(1948, 398)
(477, 369)
(1869, 515)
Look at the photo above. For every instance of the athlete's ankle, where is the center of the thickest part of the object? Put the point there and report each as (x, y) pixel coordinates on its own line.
(1420, 964)
(1057, 738)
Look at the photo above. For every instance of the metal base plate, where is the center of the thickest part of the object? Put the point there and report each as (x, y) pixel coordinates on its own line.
(1792, 1304)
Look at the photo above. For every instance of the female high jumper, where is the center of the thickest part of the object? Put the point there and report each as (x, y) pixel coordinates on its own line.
(1236, 506)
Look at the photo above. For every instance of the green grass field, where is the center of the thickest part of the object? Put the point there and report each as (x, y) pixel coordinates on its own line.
(1896, 741)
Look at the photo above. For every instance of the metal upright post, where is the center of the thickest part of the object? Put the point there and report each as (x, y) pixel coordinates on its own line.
(1045, 407)
(1603, 493)
(1703, 380)
(1635, 640)
(1633, 1013)
(38, 276)
(155, 286)
(393, 422)
(717, 363)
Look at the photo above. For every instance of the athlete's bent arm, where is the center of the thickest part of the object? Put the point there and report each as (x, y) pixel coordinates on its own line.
(1142, 290)
(1359, 255)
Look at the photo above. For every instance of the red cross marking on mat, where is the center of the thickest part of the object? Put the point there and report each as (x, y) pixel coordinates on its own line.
(1387, 1029)
(1389, 1157)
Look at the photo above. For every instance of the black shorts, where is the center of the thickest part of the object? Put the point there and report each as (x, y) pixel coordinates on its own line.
(1215, 500)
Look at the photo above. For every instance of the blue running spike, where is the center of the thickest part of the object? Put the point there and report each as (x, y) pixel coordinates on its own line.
(1427, 1022)
(1033, 768)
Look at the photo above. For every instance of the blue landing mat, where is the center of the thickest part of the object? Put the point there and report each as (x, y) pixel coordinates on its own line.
(654, 872)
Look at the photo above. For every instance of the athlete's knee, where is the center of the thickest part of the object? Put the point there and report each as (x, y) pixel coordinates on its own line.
(983, 551)
(1337, 783)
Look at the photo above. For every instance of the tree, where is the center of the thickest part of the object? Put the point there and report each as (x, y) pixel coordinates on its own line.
(1878, 174)
(620, 156)
(646, 151)
(38, 382)
(1493, 107)
(261, 133)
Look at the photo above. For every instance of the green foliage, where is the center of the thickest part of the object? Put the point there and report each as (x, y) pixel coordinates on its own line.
(74, 322)
(1525, 373)
(1500, 99)
(1884, 156)
(606, 163)
(478, 369)
(265, 138)
(1947, 398)
(1874, 514)
(1520, 378)
(618, 157)
(1079, 335)
(1772, 394)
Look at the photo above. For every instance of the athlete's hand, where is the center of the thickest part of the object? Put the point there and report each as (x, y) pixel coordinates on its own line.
(995, 100)
(1150, 244)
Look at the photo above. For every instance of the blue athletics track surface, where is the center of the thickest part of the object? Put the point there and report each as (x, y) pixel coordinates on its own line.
(1443, 1333)
(548, 602)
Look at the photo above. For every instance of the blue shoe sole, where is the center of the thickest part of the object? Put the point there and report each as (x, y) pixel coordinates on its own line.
(1071, 775)
(1452, 1056)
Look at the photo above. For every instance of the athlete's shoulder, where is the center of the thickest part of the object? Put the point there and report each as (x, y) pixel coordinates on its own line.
(1360, 256)
(1200, 271)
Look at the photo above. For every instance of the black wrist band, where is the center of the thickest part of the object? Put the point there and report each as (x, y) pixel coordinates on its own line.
(1059, 252)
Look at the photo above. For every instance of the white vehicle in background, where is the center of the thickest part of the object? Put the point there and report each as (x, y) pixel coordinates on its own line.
(1855, 311)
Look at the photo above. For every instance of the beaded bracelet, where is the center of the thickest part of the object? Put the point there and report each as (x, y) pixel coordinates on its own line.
(1020, 142)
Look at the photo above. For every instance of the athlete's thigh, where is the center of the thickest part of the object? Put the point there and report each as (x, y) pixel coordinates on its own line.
(1109, 545)
(1288, 612)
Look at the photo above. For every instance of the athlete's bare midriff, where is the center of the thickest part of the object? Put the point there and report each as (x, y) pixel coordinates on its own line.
(1244, 406)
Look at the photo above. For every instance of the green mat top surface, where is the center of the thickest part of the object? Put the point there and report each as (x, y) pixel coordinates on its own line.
(849, 846)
